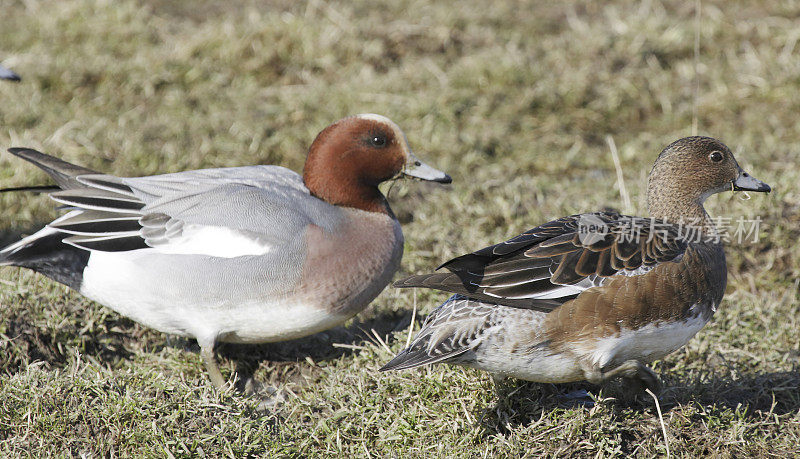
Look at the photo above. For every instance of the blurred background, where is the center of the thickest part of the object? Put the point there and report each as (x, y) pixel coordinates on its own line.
(519, 101)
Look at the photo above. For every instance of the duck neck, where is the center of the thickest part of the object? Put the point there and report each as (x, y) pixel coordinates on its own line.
(346, 190)
(680, 207)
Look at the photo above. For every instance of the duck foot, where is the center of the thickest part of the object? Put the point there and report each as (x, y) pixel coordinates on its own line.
(635, 375)
(270, 398)
(500, 388)
(578, 397)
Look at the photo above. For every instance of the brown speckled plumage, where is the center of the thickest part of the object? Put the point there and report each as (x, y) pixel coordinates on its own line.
(560, 303)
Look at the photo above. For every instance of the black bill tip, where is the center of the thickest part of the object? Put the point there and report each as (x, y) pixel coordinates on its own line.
(445, 179)
(746, 182)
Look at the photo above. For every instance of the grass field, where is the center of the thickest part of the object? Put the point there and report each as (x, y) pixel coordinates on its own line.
(515, 100)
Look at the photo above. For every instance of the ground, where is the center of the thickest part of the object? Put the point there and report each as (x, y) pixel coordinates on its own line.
(518, 101)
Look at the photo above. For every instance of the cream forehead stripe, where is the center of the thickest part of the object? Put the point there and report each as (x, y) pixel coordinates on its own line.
(382, 119)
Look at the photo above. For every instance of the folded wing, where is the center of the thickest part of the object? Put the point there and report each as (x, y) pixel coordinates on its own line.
(218, 212)
(553, 263)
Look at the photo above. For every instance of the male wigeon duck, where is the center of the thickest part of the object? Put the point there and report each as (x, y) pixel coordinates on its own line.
(6, 74)
(591, 296)
(244, 254)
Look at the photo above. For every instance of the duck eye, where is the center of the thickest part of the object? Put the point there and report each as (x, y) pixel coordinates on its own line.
(377, 140)
(715, 156)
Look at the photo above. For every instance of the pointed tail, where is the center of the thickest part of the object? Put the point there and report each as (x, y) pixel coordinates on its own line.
(44, 250)
(62, 172)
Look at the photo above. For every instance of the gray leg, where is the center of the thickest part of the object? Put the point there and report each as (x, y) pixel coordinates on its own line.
(500, 388)
(497, 379)
(207, 353)
(503, 405)
(271, 397)
(634, 373)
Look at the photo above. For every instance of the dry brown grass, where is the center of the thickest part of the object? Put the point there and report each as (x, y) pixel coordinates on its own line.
(514, 99)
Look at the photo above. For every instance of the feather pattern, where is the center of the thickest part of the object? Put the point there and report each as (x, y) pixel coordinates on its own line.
(115, 214)
(451, 330)
(620, 291)
(552, 263)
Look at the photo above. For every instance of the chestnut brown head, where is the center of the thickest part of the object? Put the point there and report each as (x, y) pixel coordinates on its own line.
(350, 158)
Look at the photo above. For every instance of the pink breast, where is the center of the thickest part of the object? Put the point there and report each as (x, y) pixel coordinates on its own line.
(346, 270)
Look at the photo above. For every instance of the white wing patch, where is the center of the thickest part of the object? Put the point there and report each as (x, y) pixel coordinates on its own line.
(557, 291)
(215, 241)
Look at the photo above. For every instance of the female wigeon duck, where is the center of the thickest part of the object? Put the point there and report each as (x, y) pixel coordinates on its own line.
(245, 254)
(591, 296)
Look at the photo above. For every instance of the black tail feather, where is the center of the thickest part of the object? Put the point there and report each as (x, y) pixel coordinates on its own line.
(45, 252)
(48, 255)
(32, 189)
(414, 357)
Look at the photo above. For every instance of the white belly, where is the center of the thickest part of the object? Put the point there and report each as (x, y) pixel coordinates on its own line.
(159, 299)
(252, 299)
(515, 347)
(644, 344)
